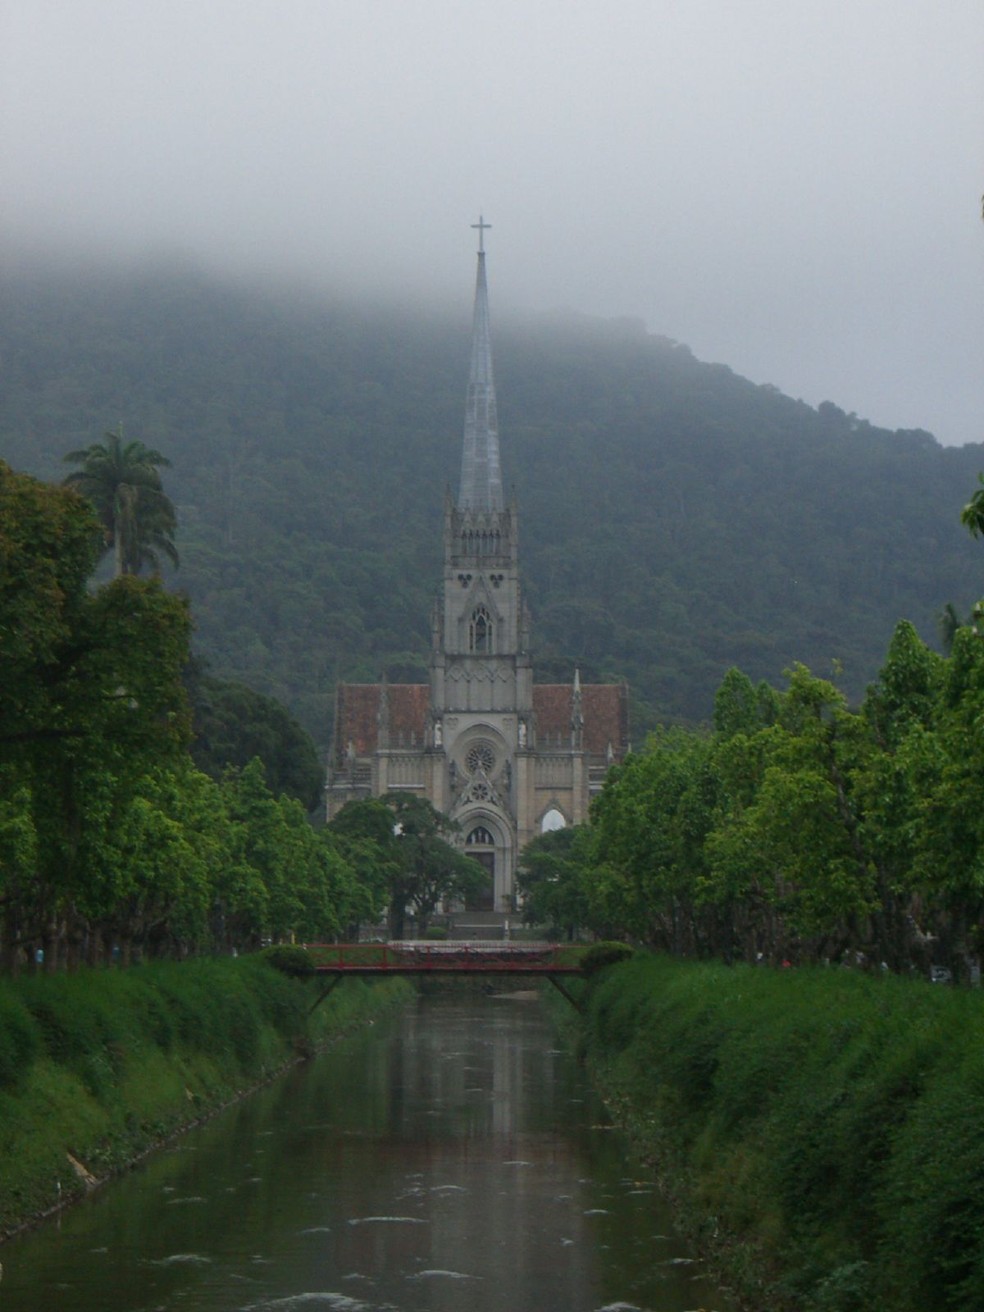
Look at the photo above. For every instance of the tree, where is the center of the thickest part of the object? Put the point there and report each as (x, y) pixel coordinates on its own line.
(649, 823)
(362, 833)
(92, 701)
(948, 621)
(123, 483)
(49, 542)
(405, 841)
(741, 708)
(972, 515)
(552, 878)
(908, 686)
(948, 865)
(233, 724)
(115, 709)
(431, 869)
(163, 855)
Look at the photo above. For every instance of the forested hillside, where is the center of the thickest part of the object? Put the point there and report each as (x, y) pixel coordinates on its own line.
(676, 519)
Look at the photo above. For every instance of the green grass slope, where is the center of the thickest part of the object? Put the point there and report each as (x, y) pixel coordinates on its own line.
(825, 1129)
(97, 1068)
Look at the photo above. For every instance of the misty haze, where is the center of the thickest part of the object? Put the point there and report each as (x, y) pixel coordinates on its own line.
(790, 190)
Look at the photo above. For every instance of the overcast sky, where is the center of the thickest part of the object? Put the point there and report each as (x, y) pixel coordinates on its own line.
(791, 187)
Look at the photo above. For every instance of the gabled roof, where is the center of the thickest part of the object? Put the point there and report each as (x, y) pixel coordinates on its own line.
(357, 707)
(604, 707)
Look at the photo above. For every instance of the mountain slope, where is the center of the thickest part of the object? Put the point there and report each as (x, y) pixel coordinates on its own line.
(676, 519)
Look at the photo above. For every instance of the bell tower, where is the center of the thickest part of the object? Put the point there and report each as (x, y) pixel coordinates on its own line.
(481, 687)
(504, 757)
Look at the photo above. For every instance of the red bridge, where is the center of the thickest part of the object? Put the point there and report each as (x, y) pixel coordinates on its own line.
(548, 960)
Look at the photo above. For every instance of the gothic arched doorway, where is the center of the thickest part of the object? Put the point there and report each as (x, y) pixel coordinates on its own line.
(480, 846)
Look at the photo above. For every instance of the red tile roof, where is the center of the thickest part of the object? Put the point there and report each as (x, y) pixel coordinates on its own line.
(357, 716)
(605, 707)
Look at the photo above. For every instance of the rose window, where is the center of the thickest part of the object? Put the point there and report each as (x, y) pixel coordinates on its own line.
(480, 756)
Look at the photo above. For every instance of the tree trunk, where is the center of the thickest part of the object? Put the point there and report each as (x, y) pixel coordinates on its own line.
(397, 918)
(94, 947)
(10, 950)
(49, 947)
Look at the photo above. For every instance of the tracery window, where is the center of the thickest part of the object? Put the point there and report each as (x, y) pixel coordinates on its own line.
(480, 756)
(479, 837)
(481, 631)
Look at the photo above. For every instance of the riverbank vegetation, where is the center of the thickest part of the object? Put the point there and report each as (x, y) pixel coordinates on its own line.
(822, 1129)
(797, 829)
(100, 1066)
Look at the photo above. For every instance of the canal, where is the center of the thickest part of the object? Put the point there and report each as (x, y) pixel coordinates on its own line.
(452, 1158)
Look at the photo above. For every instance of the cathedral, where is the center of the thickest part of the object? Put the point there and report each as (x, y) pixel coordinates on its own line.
(504, 757)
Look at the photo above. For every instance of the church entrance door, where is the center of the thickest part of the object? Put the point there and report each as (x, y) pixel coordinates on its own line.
(483, 899)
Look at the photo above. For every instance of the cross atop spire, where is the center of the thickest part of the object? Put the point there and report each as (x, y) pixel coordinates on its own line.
(482, 227)
(481, 479)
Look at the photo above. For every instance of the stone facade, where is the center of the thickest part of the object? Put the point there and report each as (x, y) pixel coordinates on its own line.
(504, 757)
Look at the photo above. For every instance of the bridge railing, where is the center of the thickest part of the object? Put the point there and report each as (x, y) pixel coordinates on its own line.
(423, 954)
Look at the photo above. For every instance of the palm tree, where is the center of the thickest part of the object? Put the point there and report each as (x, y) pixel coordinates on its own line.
(949, 621)
(123, 483)
(972, 515)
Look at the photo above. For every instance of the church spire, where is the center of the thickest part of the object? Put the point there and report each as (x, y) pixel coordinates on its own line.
(481, 478)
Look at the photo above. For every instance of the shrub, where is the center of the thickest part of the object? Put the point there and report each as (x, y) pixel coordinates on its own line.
(600, 955)
(289, 960)
(20, 1040)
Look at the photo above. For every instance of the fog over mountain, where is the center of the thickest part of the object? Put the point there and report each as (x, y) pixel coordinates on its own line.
(793, 190)
(676, 518)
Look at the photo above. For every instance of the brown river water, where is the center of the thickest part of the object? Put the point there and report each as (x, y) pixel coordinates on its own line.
(451, 1159)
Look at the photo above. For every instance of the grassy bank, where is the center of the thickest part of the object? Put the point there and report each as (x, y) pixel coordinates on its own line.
(824, 1130)
(96, 1068)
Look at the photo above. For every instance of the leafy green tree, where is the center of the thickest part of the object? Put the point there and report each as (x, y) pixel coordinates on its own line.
(163, 857)
(948, 826)
(123, 482)
(784, 859)
(49, 542)
(310, 890)
(18, 862)
(270, 849)
(430, 869)
(363, 833)
(552, 880)
(880, 761)
(736, 705)
(908, 688)
(232, 724)
(116, 710)
(93, 700)
(648, 825)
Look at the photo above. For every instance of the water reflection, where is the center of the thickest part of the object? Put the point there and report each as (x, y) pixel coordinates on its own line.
(452, 1160)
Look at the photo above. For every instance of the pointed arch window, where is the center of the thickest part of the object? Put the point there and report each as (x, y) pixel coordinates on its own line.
(554, 819)
(481, 632)
(480, 837)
